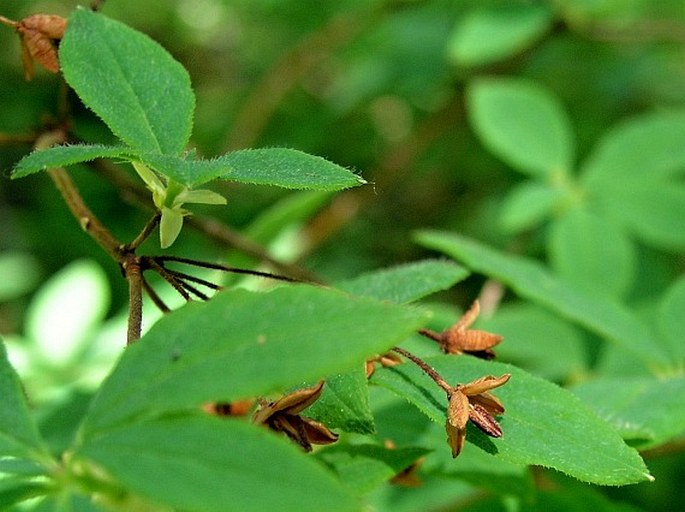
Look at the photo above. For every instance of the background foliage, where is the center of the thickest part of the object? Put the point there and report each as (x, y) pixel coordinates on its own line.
(553, 131)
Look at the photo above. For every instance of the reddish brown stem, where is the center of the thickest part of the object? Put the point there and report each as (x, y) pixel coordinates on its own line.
(428, 370)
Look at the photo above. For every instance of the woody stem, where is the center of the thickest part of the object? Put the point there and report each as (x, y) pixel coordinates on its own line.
(428, 370)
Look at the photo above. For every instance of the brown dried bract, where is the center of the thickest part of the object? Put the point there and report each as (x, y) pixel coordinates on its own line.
(283, 415)
(459, 339)
(473, 401)
(385, 360)
(237, 408)
(39, 34)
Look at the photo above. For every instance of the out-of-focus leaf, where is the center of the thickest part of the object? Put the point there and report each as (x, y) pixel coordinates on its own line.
(65, 310)
(648, 147)
(651, 209)
(344, 403)
(522, 124)
(533, 281)
(406, 283)
(528, 204)
(671, 319)
(363, 467)
(61, 156)
(20, 273)
(208, 463)
(645, 410)
(591, 252)
(280, 167)
(537, 341)
(543, 424)
(129, 81)
(488, 34)
(243, 344)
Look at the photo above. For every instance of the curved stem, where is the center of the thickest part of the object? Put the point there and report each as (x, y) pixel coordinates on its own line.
(428, 370)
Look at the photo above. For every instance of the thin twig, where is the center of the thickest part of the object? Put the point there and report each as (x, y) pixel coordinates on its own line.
(225, 268)
(194, 279)
(144, 234)
(156, 299)
(85, 217)
(135, 298)
(428, 370)
(152, 264)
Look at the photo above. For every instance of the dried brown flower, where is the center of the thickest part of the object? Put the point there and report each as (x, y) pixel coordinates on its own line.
(459, 339)
(473, 401)
(39, 34)
(283, 415)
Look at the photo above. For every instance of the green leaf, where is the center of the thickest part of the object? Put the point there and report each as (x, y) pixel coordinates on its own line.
(280, 167)
(523, 124)
(344, 403)
(543, 424)
(647, 147)
(21, 273)
(488, 34)
(645, 410)
(592, 253)
(207, 463)
(363, 467)
(58, 335)
(245, 344)
(671, 321)
(62, 156)
(527, 205)
(652, 210)
(537, 341)
(19, 435)
(17, 489)
(406, 283)
(129, 81)
(533, 281)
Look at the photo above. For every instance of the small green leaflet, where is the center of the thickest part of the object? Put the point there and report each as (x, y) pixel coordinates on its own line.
(543, 424)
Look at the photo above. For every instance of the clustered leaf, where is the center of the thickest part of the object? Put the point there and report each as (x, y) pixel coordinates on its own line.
(169, 199)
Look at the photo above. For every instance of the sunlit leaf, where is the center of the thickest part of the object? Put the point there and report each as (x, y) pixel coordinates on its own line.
(243, 344)
(543, 424)
(129, 81)
(533, 281)
(406, 283)
(645, 410)
(61, 156)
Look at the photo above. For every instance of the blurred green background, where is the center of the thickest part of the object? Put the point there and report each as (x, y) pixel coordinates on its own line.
(377, 86)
